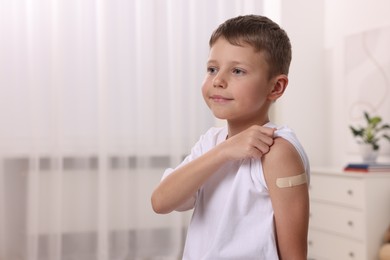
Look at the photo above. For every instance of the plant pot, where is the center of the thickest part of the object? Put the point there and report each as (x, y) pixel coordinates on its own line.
(369, 155)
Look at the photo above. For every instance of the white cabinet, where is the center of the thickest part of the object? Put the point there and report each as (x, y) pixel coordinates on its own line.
(349, 213)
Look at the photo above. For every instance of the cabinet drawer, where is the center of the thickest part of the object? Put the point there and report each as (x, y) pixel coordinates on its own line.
(322, 245)
(344, 221)
(346, 191)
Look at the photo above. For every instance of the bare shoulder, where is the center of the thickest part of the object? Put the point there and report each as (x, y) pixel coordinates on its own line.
(282, 160)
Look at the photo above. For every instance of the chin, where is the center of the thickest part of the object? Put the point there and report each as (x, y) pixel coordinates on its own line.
(220, 116)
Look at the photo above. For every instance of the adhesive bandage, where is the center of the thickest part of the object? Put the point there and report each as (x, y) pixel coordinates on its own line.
(291, 181)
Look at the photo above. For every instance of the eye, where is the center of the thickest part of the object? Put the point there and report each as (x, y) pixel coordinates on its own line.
(238, 71)
(211, 70)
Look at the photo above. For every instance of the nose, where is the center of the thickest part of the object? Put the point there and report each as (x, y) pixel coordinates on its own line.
(219, 81)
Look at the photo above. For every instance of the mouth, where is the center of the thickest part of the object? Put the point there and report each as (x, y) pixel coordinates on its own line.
(220, 99)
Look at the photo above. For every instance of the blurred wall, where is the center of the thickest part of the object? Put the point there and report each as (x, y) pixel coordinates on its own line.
(314, 103)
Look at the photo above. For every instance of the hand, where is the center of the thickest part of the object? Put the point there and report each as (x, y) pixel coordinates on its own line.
(252, 143)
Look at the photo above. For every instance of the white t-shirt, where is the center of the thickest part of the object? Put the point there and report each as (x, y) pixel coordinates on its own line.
(233, 214)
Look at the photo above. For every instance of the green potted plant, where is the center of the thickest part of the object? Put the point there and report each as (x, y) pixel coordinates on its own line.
(370, 135)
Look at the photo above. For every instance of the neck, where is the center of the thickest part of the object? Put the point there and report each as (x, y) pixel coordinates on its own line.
(237, 127)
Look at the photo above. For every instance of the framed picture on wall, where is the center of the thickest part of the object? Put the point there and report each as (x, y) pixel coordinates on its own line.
(367, 74)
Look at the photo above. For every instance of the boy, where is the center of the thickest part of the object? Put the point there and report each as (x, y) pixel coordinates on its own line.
(247, 182)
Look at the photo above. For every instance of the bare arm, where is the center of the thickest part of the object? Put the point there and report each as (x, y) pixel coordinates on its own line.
(291, 205)
(184, 182)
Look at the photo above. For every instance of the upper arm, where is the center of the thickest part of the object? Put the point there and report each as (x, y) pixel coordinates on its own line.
(291, 205)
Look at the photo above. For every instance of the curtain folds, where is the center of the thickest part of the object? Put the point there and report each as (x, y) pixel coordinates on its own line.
(97, 98)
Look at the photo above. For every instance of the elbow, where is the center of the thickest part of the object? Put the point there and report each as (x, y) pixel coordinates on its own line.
(158, 208)
(158, 205)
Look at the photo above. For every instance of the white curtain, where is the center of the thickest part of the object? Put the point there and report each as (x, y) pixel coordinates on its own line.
(97, 97)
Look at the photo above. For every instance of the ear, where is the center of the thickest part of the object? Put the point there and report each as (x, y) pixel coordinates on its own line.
(280, 83)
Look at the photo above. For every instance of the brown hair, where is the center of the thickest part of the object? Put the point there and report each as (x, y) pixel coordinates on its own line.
(263, 35)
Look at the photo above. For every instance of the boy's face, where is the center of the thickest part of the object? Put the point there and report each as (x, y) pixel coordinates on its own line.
(237, 86)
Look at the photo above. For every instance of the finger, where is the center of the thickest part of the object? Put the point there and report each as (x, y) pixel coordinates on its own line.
(268, 131)
(259, 152)
(266, 140)
(256, 150)
(262, 147)
(264, 130)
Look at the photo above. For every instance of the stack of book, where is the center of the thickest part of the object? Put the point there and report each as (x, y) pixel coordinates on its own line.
(367, 167)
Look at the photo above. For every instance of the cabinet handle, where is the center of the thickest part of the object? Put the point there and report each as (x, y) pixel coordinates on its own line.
(350, 223)
(350, 192)
(310, 243)
(351, 254)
